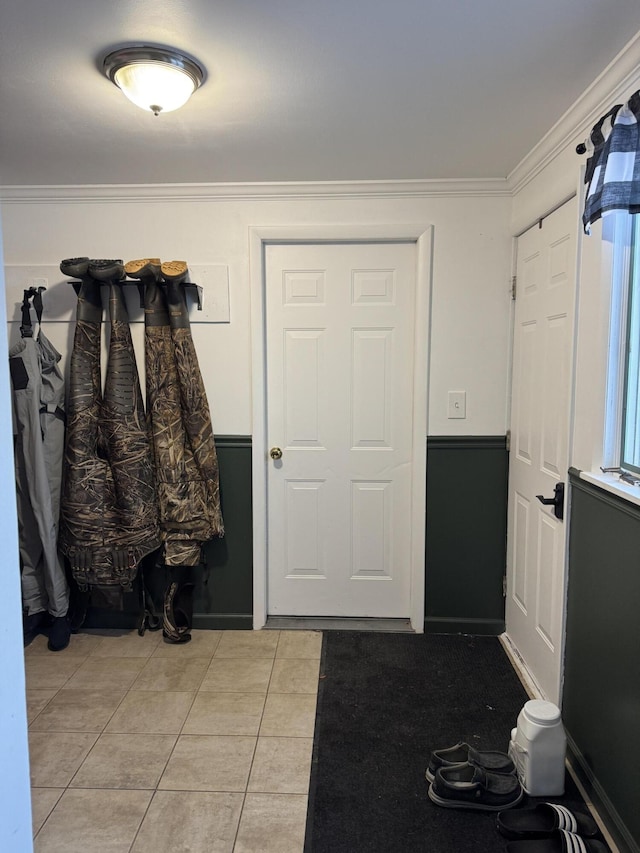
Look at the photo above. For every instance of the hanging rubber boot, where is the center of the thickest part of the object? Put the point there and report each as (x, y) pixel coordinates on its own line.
(149, 616)
(178, 607)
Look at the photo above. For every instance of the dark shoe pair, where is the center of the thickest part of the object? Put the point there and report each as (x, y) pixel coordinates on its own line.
(97, 269)
(467, 786)
(461, 753)
(550, 828)
(464, 777)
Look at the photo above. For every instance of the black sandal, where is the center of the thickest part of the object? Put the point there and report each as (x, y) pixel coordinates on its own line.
(560, 842)
(543, 820)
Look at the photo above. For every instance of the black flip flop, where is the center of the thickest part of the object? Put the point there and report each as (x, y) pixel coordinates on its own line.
(560, 842)
(542, 820)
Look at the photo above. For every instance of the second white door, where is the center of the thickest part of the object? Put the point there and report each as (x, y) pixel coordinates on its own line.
(340, 362)
(540, 428)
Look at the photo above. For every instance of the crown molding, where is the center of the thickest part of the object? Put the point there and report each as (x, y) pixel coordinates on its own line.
(615, 84)
(102, 193)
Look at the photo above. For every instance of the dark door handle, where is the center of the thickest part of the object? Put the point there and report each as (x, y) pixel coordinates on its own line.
(557, 501)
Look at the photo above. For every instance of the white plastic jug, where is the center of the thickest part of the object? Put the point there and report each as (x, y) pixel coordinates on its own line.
(537, 748)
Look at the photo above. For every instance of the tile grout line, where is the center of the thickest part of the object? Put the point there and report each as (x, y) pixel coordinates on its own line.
(127, 691)
(266, 696)
(264, 705)
(56, 689)
(66, 787)
(180, 733)
(178, 736)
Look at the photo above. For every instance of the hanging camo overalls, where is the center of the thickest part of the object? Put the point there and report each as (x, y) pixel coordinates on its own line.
(38, 406)
(185, 454)
(109, 518)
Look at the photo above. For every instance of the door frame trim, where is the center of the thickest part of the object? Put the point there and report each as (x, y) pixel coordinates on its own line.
(259, 236)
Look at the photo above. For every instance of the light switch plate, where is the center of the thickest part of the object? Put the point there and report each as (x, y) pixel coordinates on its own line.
(457, 404)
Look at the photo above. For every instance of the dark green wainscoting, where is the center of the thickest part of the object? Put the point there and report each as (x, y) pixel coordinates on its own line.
(601, 700)
(465, 552)
(466, 534)
(226, 600)
(224, 586)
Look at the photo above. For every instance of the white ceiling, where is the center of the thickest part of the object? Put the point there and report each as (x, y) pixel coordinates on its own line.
(298, 90)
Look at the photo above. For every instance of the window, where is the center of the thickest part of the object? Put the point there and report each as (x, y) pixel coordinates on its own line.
(630, 433)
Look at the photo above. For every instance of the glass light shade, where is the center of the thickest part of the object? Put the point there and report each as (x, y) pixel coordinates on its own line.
(154, 86)
(154, 78)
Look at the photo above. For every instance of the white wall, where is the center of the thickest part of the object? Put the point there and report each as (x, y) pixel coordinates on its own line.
(470, 302)
(550, 172)
(559, 175)
(15, 797)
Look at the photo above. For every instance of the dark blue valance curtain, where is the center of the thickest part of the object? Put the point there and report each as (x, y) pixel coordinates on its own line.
(613, 168)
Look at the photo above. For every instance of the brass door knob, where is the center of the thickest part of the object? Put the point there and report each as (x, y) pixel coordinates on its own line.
(275, 453)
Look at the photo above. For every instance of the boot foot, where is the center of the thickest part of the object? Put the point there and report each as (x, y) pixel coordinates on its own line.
(143, 268)
(106, 270)
(75, 267)
(59, 634)
(176, 271)
(34, 624)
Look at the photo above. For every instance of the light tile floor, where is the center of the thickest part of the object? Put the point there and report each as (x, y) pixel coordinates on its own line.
(137, 746)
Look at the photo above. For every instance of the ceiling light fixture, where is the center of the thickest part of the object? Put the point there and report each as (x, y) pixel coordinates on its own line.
(157, 79)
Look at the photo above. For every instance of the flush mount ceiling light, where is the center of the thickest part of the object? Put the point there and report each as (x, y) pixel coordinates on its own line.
(154, 78)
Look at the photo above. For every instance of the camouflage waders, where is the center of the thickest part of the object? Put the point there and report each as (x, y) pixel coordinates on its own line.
(109, 519)
(184, 449)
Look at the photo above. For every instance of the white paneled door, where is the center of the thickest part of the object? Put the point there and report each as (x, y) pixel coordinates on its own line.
(540, 427)
(339, 353)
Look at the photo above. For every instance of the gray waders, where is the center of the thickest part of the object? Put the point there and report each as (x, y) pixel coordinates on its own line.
(38, 406)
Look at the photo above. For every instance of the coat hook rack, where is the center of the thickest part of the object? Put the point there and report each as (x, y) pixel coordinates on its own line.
(32, 295)
(140, 285)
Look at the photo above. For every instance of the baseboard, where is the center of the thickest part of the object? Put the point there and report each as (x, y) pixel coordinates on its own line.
(603, 806)
(223, 621)
(522, 670)
(125, 621)
(314, 623)
(446, 625)
(122, 620)
(597, 802)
